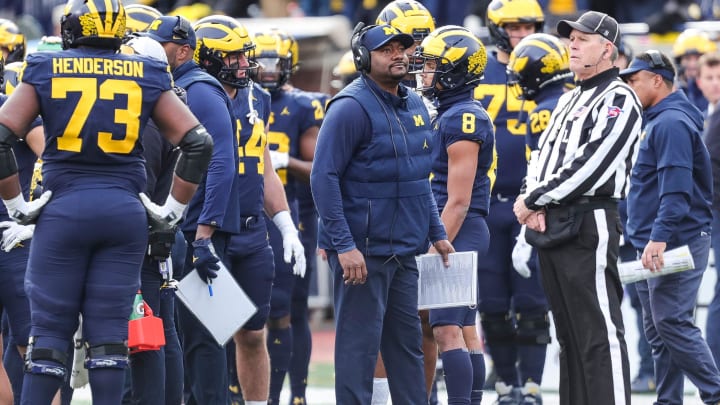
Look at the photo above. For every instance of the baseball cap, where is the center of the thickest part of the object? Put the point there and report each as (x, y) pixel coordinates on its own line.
(380, 35)
(175, 29)
(638, 64)
(592, 22)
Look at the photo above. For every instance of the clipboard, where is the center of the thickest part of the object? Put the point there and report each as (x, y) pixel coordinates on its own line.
(223, 313)
(447, 287)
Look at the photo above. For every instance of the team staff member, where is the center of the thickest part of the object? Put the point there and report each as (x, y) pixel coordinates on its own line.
(584, 160)
(505, 297)
(463, 170)
(538, 69)
(372, 229)
(94, 171)
(211, 216)
(669, 205)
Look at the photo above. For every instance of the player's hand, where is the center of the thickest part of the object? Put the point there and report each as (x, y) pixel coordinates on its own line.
(279, 160)
(14, 233)
(170, 213)
(292, 247)
(205, 260)
(24, 212)
(444, 248)
(521, 255)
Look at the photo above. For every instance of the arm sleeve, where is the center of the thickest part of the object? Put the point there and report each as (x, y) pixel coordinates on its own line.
(674, 150)
(437, 229)
(342, 131)
(610, 135)
(208, 104)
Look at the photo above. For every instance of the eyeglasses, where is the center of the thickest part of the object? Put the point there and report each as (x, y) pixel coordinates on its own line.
(182, 28)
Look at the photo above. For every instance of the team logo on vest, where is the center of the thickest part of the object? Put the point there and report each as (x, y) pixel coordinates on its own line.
(418, 120)
(285, 111)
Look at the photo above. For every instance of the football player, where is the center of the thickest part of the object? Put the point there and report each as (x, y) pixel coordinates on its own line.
(513, 309)
(13, 43)
(689, 46)
(94, 109)
(464, 164)
(225, 51)
(295, 120)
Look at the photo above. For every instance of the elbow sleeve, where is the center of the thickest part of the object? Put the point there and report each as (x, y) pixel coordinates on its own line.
(8, 165)
(196, 147)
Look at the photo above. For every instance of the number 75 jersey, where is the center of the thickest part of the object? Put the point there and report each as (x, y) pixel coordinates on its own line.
(509, 115)
(95, 104)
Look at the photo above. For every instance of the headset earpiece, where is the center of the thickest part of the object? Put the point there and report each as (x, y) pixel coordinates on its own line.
(656, 61)
(361, 55)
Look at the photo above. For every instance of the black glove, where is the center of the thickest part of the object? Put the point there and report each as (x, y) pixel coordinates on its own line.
(204, 259)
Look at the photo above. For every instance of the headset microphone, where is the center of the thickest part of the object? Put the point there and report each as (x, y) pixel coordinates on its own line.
(598, 62)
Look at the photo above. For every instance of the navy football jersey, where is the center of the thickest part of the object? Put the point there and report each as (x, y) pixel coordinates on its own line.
(539, 118)
(464, 121)
(509, 115)
(94, 112)
(252, 141)
(25, 158)
(292, 113)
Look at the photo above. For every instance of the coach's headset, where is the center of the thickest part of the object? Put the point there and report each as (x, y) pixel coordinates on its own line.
(361, 55)
(656, 60)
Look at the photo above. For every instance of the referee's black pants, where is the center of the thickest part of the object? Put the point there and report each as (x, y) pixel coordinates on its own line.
(582, 285)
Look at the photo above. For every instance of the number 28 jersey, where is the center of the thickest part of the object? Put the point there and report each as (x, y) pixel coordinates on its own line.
(95, 104)
(509, 115)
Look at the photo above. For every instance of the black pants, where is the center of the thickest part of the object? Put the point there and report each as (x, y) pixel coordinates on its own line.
(582, 285)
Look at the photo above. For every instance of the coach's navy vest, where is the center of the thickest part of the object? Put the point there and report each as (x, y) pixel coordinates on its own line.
(387, 198)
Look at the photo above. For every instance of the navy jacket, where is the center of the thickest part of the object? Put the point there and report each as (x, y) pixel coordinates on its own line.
(671, 182)
(209, 103)
(370, 176)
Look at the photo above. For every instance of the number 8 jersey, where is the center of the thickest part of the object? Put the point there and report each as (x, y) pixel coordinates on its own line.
(94, 112)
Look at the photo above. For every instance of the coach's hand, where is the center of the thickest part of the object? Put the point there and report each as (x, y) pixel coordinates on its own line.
(14, 234)
(444, 248)
(353, 265)
(204, 259)
(24, 212)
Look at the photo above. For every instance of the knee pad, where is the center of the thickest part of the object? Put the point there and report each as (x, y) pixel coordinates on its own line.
(498, 329)
(107, 355)
(46, 361)
(533, 329)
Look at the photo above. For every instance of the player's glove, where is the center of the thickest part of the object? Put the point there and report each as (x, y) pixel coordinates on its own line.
(292, 247)
(204, 259)
(24, 212)
(14, 234)
(521, 254)
(279, 159)
(169, 213)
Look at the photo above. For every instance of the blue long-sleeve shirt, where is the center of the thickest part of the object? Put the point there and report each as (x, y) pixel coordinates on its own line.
(671, 182)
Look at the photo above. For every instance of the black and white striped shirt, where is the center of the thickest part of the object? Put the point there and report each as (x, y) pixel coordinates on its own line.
(588, 146)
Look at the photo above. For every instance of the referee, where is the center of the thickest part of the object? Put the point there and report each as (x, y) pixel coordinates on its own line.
(584, 160)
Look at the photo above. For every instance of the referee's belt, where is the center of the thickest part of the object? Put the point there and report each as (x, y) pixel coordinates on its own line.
(587, 203)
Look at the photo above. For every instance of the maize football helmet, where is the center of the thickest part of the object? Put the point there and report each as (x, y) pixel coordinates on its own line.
(13, 40)
(409, 17)
(455, 56)
(274, 57)
(220, 37)
(11, 77)
(537, 61)
(501, 12)
(96, 23)
(139, 17)
(692, 42)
